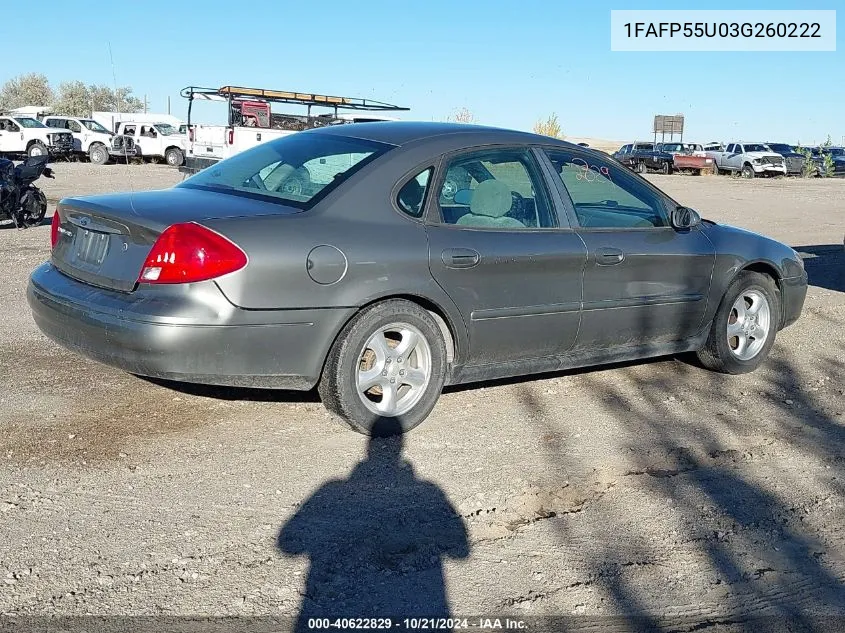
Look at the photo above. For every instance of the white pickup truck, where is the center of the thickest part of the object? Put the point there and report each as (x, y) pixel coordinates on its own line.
(24, 135)
(749, 159)
(252, 122)
(90, 138)
(156, 140)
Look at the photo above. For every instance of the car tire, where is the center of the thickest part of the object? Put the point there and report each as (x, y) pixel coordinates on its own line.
(665, 168)
(716, 170)
(362, 363)
(640, 168)
(36, 149)
(738, 344)
(174, 157)
(747, 171)
(98, 154)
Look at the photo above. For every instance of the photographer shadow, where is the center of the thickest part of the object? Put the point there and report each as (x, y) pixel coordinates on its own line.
(376, 541)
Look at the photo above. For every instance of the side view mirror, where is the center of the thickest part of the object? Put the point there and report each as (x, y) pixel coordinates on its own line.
(685, 218)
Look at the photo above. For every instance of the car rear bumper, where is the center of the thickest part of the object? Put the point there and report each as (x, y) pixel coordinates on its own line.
(793, 294)
(183, 333)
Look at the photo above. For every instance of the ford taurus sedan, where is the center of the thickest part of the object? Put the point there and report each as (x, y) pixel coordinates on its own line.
(379, 262)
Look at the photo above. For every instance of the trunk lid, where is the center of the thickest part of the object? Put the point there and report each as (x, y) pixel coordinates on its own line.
(104, 240)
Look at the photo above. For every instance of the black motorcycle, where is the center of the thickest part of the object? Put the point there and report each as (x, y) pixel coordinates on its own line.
(21, 201)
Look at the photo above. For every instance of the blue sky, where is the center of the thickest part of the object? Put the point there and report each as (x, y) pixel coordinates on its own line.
(510, 63)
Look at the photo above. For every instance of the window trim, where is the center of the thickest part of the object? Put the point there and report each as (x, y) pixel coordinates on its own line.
(665, 201)
(434, 216)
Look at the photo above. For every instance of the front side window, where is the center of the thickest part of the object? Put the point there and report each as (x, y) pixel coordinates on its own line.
(73, 126)
(129, 130)
(411, 197)
(93, 126)
(605, 196)
(495, 189)
(299, 169)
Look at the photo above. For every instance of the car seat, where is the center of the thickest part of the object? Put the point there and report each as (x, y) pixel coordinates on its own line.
(490, 203)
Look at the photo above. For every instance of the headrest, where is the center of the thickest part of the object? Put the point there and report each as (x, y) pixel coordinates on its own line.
(491, 198)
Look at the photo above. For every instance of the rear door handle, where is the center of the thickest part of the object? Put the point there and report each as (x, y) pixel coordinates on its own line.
(609, 256)
(460, 258)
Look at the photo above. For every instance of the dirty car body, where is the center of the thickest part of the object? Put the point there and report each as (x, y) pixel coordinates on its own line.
(530, 254)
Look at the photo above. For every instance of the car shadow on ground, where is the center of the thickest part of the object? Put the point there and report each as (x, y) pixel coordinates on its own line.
(825, 265)
(762, 540)
(375, 541)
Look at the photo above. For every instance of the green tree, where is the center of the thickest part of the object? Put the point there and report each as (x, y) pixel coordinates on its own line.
(31, 89)
(108, 99)
(73, 99)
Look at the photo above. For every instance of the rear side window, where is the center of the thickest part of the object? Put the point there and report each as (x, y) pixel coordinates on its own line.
(412, 195)
(299, 169)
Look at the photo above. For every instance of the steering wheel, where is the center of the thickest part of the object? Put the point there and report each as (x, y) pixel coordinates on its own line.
(517, 210)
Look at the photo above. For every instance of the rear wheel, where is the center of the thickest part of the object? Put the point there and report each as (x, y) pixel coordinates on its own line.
(744, 327)
(36, 149)
(640, 168)
(98, 154)
(174, 156)
(666, 168)
(385, 372)
(748, 171)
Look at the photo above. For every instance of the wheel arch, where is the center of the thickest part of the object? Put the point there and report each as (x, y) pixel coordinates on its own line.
(455, 343)
(767, 268)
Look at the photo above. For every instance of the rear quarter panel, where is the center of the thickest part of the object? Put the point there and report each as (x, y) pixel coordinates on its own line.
(385, 252)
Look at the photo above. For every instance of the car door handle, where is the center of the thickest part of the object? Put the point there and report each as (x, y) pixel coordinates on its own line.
(460, 258)
(609, 256)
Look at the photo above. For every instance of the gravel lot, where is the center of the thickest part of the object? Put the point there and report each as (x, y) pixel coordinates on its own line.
(656, 489)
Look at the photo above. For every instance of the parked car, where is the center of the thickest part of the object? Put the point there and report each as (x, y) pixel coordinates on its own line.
(156, 140)
(748, 159)
(837, 155)
(642, 157)
(91, 139)
(23, 135)
(794, 160)
(687, 157)
(435, 254)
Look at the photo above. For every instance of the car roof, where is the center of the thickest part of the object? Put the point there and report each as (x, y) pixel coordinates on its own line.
(406, 132)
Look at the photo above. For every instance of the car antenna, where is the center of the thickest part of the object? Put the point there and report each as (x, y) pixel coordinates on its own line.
(117, 106)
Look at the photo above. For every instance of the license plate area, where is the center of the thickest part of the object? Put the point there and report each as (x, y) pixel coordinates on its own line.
(90, 247)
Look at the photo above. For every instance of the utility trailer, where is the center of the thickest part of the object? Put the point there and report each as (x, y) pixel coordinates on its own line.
(251, 120)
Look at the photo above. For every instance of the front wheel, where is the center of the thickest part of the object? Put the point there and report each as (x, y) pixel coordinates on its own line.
(36, 149)
(174, 157)
(385, 372)
(665, 168)
(745, 325)
(98, 154)
(748, 171)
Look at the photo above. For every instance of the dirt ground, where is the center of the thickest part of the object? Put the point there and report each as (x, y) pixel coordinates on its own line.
(657, 489)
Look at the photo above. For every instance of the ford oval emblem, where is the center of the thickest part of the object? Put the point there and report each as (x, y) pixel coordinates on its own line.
(84, 221)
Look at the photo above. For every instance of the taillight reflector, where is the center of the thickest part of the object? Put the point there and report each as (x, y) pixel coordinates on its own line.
(231, 137)
(54, 229)
(188, 252)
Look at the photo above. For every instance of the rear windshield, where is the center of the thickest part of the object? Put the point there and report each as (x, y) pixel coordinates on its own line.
(298, 169)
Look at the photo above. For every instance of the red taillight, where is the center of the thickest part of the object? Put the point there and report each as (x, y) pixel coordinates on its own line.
(231, 137)
(191, 134)
(189, 252)
(54, 229)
